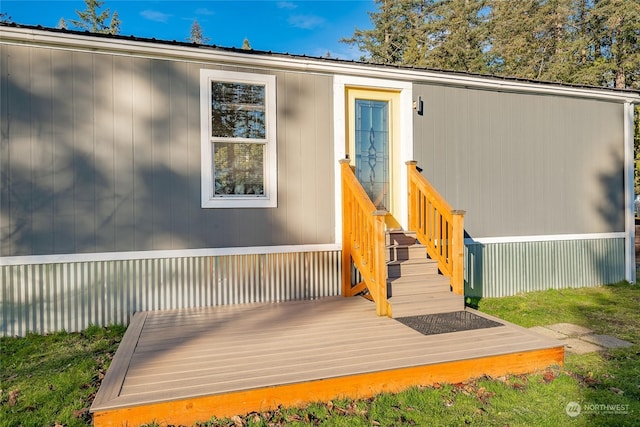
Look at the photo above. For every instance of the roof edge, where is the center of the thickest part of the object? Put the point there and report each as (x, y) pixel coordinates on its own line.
(185, 51)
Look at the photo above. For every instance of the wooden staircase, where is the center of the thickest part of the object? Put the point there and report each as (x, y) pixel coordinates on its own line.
(394, 271)
(414, 284)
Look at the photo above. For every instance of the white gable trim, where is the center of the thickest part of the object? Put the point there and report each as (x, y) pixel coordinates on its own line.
(203, 54)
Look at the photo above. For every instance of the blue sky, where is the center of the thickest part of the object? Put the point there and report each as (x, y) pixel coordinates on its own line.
(310, 27)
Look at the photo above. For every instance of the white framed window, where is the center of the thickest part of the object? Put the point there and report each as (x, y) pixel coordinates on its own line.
(238, 128)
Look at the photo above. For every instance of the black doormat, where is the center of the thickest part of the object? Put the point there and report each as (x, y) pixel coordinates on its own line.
(442, 323)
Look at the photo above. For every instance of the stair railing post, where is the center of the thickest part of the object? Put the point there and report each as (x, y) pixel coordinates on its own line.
(457, 274)
(411, 219)
(346, 231)
(380, 264)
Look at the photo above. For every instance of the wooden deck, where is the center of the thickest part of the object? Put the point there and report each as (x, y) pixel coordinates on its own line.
(179, 367)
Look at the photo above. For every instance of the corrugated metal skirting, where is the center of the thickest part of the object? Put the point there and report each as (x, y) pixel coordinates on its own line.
(503, 269)
(51, 297)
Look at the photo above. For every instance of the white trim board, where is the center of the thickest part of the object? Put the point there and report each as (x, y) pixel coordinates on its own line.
(629, 214)
(161, 254)
(543, 238)
(340, 83)
(204, 54)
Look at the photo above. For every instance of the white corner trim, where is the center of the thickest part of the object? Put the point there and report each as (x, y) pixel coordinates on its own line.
(160, 254)
(543, 238)
(339, 150)
(629, 164)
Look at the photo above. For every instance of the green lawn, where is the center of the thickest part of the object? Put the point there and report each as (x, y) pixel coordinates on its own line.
(51, 380)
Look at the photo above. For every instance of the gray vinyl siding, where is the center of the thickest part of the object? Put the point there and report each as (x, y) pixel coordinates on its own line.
(523, 164)
(504, 269)
(101, 153)
(44, 298)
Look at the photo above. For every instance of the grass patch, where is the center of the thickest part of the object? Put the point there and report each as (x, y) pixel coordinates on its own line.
(56, 377)
(50, 380)
(611, 310)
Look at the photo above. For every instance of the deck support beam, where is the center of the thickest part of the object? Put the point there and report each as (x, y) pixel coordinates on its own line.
(190, 411)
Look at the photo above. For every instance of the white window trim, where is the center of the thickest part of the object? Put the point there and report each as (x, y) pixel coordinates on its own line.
(270, 198)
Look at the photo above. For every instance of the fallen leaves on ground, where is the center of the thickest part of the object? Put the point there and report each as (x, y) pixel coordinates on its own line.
(472, 388)
(237, 421)
(82, 413)
(548, 376)
(13, 397)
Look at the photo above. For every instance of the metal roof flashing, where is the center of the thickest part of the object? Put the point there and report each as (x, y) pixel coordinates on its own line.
(184, 51)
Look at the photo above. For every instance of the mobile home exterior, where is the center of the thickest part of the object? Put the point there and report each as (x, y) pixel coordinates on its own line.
(128, 184)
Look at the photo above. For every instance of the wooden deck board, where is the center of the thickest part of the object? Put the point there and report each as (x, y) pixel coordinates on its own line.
(231, 360)
(342, 346)
(196, 354)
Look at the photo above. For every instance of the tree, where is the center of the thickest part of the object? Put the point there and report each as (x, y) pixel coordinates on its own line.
(196, 35)
(96, 22)
(616, 35)
(592, 42)
(457, 33)
(62, 24)
(246, 45)
(433, 33)
(398, 27)
(4, 17)
(516, 48)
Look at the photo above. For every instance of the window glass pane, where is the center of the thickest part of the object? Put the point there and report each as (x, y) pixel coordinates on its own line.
(238, 110)
(372, 149)
(238, 169)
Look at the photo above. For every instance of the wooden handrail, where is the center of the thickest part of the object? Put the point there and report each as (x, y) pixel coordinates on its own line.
(363, 236)
(437, 226)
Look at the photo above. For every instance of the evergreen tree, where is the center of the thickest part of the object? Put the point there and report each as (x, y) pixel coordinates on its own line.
(594, 42)
(616, 27)
(62, 24)
(458, 36)
(196, 35)
(91, 19)
(246, 45)
(516, 50)
(446, 34)
(397, 26)
(571, 65)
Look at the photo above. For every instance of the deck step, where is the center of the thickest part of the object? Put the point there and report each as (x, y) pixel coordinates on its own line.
(400, 237)
(411, 267)
(423, 287)
(414, 283)
(406, 252)
(409, 306)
